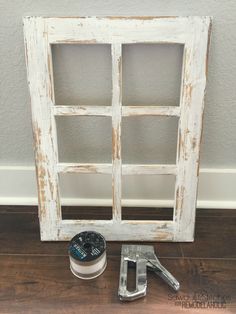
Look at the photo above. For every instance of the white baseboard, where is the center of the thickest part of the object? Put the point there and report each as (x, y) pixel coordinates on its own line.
(216, 189)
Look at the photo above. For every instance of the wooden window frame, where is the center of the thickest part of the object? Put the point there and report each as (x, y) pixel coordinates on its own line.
(192, 32)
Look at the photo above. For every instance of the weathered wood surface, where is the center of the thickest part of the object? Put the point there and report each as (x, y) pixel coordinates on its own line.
(193, 85)
(20, 231)
(129, 111)
(116, 51)
(103, 111)
(92, 30)
(126, 111)
(39, 70)
(193, 33)
(130, 230)
(128, 169)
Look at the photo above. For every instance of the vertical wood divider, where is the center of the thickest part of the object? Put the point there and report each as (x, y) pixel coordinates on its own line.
(116, 50)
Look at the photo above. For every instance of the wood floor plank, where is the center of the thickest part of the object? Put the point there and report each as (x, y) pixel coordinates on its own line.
(216, 212)
(44, 284)
(215, 237)
(19, 234)
(35, 275)
(18, 209)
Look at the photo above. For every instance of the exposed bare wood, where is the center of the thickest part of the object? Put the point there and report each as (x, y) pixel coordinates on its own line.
(107, 169)
(148, 169)
(147, 230)
(39, 70)
(194, 33)
(104, 111)
(189, 130)
(129, 111)
(121, 30)
(116, 130)
(83, 168)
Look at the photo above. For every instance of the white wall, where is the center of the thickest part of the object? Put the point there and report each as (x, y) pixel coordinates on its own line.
(150, 76)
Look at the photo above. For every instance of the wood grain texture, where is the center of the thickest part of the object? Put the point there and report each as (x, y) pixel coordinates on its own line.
(102, 111)
(193, 33)
(130, 111)
(21, 223)
(190, 129)
(36, 284)
(120, 30)
(35, 275)
(128, 169)
(116, 51)
(19, 231)
(126, 111)
(130, 230)
(39, 70)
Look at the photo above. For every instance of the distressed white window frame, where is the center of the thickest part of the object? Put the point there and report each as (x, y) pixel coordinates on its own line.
(193, 33)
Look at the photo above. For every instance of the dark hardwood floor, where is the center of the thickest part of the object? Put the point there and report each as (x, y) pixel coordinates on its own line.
(35, 276)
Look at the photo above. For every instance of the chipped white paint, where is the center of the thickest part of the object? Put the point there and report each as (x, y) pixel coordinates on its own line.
(148, 169)
(134, 230)
(83, 168)
(193, 32)
(116, 50)
(39, 67)
(190, 128)
(107, 168)
(104, 111)
(129, 111)
(126, 111)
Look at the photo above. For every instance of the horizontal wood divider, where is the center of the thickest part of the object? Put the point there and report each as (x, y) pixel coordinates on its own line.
(82, 111)
(83, 168)
(148, 169)
(149, 229)
(127, 111)
(107, 168)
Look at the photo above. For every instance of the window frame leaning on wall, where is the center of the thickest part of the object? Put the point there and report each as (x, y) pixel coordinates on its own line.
(192, 32)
